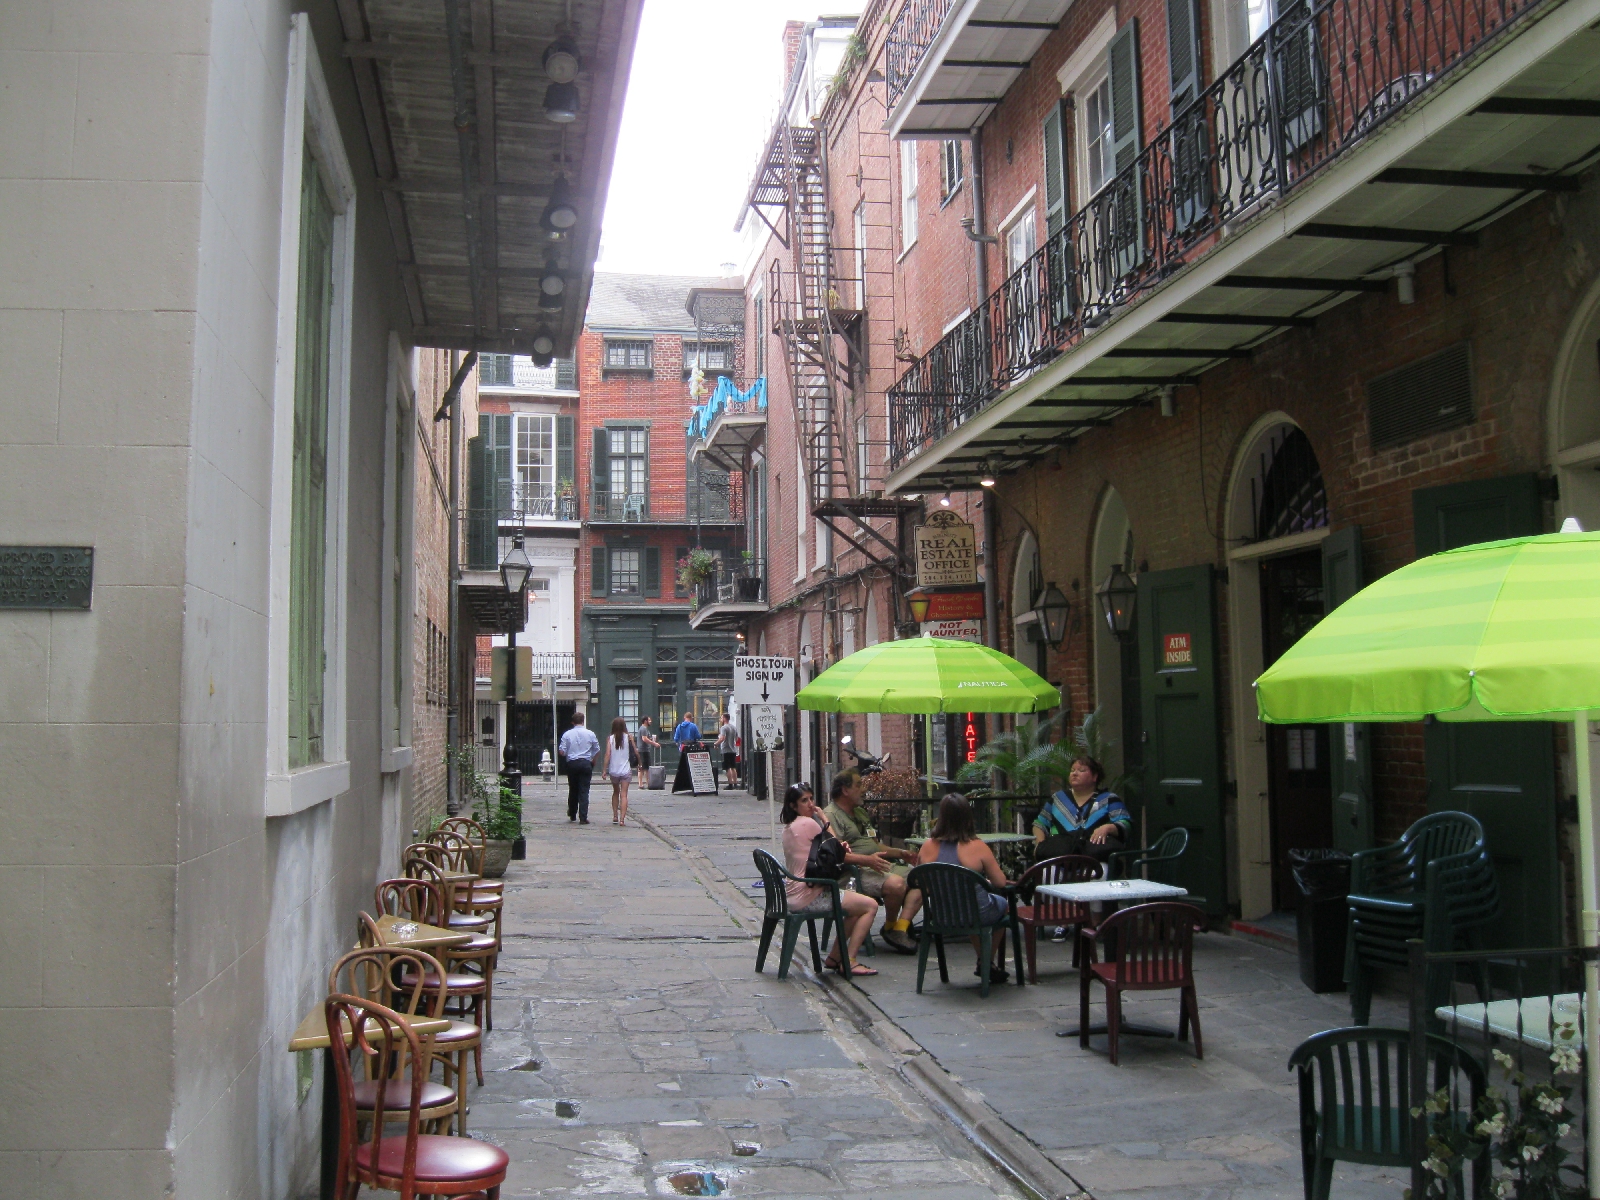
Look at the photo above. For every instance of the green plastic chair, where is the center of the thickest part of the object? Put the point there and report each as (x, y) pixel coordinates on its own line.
(1355, 1100)
(773, 879)
(950, 909)
(1154, 861)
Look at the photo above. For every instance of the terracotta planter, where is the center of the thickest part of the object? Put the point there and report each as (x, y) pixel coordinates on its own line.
(496, 856)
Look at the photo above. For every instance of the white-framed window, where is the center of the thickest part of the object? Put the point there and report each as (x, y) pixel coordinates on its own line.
(399, 482)
(1021, 239)
(626, 568)
(710, 357)
(306, 703)
(858, 222)
(534, 462)
(951, 169)
(629, 464)
(908, 195)
(1096, 136)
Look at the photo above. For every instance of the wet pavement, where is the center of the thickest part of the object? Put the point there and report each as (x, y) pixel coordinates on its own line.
(637, 1053)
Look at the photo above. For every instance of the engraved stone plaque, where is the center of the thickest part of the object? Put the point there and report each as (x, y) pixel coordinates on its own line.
(46, 576)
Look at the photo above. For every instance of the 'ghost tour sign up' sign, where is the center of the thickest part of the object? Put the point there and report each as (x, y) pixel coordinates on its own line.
(46, 576)
(947, 552)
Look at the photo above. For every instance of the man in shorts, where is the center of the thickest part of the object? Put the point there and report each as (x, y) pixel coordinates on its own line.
(883, 880)
(728, 745)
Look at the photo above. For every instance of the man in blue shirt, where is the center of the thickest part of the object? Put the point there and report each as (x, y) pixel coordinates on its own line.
(581, 749)
(686, 732)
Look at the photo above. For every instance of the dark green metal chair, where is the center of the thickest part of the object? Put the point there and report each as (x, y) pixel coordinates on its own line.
(950, 909)
(1155, 862)
(773, 879)
(1355, 1099)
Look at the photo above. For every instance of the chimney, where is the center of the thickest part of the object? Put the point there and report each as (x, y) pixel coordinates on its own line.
(792, 32)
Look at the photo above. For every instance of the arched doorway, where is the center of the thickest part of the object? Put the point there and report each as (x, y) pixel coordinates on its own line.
(1276, 523)
(1116, 660)
(1573, 427)
(1027, 578)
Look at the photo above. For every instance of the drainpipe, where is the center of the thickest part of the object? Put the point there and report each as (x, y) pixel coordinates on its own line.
(973, 227)
(452, 401)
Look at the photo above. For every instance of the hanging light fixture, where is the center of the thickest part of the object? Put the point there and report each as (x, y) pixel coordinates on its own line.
(561, 103)
(918, 603)
(1051, 611)
(544, 342)
(990, 473)
(1117, 596)
(551, 301)
(561, 61)
(559, 214)
(552, 282)
(944, 500)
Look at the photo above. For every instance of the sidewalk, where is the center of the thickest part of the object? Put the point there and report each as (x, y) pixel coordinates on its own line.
(636, 1051)
(1163, 1123)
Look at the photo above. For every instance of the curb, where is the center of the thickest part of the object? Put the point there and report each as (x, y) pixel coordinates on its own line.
(1009, 1151)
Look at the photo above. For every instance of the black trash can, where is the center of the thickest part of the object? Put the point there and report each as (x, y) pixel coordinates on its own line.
(1323, 878)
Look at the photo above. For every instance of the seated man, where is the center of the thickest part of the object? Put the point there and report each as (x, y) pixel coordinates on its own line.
(881, 879)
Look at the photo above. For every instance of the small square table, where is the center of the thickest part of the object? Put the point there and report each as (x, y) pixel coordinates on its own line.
(398, 931)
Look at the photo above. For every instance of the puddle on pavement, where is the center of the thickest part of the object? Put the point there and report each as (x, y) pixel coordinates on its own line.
(533, 1064)
(696, 1183)
(764, 1084)
(746, 1149)
(566, 1108)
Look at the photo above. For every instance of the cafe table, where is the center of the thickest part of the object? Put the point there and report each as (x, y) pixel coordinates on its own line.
(1103, 896)
(399, 932)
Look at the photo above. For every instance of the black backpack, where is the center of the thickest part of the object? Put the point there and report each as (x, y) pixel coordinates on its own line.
(826, 858)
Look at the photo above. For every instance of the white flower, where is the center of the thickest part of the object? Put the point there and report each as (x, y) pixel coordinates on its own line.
(1549, 1102)
(1567, 1060)
(1562, 1130)
(1493, 1127)
(1530, 1153)
(1432, 1163)
(1504, 1059)
(1505, 1187)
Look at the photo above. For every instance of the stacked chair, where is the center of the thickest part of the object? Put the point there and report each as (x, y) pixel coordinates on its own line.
(1437, 883)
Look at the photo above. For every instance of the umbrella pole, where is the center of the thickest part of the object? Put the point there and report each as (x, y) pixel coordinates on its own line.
(1589, 906)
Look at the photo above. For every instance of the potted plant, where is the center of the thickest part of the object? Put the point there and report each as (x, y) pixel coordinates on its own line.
(501, 818)
(749, 578)
(695, 569)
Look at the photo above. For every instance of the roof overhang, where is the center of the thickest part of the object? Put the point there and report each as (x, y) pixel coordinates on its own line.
(1455, 160)
(947, 79)
(452, 97)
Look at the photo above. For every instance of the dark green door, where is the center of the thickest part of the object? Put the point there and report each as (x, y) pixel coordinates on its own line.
(1350, 755)
(1503, 772)
(1182, 749)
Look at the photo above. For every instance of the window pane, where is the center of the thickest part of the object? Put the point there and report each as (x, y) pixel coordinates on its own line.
(535, 463)
(628, 707)
(624, 572)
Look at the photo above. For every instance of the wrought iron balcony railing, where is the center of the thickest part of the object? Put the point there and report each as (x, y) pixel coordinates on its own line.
(909, 39)
(1321, 79)
(740, 582)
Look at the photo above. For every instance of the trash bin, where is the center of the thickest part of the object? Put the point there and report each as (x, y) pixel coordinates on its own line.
(1323, 879)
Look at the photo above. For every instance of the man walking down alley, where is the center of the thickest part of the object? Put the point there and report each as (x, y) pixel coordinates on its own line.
(580, 750)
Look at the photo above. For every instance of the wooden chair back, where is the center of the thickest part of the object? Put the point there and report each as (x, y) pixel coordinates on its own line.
(1151, 946)
(426, 851)
(381, 1036)
(411, 898)
(367, 935)
(391, 976)
(1067, 868)
(465, 827)
(459, 854)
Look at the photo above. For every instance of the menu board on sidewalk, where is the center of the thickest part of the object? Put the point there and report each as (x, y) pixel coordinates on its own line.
(694, 774)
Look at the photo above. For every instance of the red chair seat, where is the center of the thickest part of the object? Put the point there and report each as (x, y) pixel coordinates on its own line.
(397, 1096)
(459, 1031)
(462, 921)
(440, 1159)
(481, 943)
(455, 983)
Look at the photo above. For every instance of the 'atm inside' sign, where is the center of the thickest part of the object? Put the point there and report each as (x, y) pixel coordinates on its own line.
(1178, 650)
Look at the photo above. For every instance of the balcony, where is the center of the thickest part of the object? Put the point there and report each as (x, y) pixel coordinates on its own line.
(517, 373)
(731, 595)
(949, 62)
(707, 505)
(725, 427)
(1251, 214)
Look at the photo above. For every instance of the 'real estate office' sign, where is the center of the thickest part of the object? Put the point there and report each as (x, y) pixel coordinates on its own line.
(46, 576)
(947, 551)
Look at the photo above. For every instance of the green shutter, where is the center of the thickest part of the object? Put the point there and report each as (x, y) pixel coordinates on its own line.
(600, 473)
(1127, 216)
(308, 536)
(652, 571)
(1190, 138)
(1058, 248)
(503, 498)
(647, 473)
(597, 571)
(1183, 52)
(481, 522)
(566, 437)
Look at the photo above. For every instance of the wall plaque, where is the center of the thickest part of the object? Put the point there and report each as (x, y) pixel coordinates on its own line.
(46, 576)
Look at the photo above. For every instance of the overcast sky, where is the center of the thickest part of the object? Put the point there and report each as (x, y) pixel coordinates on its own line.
(705, 87)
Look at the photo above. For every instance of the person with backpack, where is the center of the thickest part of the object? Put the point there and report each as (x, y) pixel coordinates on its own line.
(802, 827)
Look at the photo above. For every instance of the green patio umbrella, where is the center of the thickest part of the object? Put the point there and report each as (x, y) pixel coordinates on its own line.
(928, 675)
(1500, 631)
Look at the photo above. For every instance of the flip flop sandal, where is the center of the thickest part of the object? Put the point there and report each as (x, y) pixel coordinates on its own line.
(858, 970)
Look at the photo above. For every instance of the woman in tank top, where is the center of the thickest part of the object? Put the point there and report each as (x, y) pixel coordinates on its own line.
(619, 769)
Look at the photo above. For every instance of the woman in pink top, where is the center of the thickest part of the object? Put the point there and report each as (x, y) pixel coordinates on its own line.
(802, 822)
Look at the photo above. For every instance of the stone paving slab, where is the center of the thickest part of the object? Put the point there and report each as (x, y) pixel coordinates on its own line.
(1162, 1123)
(634, 1042)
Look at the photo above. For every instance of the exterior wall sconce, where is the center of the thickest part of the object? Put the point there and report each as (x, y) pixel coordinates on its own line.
(1051, 610)
(1405, 282)
(1117, 597)
(515, 568)
(918, 603)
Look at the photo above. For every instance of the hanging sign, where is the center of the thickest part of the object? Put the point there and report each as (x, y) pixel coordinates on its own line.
(965, 630)
(759, 680)
(766, 727)
(1178, 650)
(946, 551)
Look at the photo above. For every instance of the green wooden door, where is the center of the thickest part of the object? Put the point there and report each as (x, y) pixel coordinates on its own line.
(1182, 746)
(1503, 773)
(1349, 746)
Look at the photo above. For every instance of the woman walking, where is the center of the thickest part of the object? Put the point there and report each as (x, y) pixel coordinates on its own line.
(619, 768)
